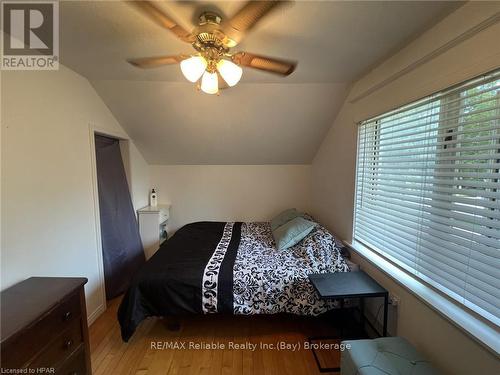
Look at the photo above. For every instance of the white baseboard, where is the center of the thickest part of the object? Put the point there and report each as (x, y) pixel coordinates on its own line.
(95, 314)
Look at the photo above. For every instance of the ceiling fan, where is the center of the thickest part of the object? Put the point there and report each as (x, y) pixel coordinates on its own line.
(213, 38)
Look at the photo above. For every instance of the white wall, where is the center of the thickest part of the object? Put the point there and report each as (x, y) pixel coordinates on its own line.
(47, 213)
(137, 171)
(463, 45)
(231, 192)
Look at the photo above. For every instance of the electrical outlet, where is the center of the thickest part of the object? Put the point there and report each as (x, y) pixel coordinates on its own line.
(394, 300)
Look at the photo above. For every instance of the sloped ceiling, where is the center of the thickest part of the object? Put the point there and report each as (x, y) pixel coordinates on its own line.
(264, 119)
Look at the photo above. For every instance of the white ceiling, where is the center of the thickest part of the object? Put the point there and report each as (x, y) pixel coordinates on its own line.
(248, 124)
(265, 119)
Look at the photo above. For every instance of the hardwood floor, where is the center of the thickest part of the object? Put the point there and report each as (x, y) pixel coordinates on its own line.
(112, 356)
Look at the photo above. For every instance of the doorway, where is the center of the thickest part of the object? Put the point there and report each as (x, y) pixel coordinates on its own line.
(122, 251)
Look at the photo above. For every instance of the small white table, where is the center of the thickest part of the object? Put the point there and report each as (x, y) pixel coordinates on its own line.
(153, 222)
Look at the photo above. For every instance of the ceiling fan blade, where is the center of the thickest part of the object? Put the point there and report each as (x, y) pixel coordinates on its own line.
(246, 18)
(160, 17)
(153, 62)
(268, 64)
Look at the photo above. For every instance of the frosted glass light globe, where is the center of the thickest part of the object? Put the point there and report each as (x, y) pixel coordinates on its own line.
(193, 68)
(209, 83)
(230, 72)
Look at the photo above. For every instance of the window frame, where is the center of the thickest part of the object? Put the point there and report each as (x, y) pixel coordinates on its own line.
(371, 250)
(472, 324)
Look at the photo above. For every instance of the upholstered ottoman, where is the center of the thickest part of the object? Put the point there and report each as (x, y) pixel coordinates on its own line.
(383, 356)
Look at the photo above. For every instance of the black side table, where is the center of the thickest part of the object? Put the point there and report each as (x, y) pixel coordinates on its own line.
(342, 285)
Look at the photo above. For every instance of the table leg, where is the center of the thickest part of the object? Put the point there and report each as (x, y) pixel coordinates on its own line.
(386, 305)
(339, 337)
(342, 318)
(362, 313)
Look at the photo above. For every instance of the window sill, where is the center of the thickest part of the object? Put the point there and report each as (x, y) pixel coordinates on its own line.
(484, 333)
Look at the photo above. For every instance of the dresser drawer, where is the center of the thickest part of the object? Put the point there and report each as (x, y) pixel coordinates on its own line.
(60, 348)
(75, 365)
(21, 349)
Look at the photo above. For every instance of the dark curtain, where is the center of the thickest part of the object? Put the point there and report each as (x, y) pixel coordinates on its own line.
(121, 243)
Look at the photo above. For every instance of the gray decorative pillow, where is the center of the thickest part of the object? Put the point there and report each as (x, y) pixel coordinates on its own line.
(284, 217)
(292, 232)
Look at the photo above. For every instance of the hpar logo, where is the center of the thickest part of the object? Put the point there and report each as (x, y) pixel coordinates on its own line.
(30, 35)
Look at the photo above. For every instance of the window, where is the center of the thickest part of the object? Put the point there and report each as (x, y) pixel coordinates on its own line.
(428, 191)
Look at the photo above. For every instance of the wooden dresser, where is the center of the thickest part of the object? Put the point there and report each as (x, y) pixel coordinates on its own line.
(44, 327)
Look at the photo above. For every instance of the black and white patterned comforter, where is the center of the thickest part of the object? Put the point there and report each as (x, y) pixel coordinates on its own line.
(233, 268)
(269, 281)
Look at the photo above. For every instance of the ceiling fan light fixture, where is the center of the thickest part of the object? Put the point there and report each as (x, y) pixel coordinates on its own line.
(209, 83)
(230, 72)
(214, 64)
(193, 68)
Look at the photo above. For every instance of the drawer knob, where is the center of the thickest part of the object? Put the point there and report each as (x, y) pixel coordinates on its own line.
(67, 315)
(68, 344)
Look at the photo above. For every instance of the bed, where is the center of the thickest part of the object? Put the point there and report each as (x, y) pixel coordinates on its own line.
(230, 268)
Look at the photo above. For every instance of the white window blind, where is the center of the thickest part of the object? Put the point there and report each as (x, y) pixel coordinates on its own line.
(428, 191)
